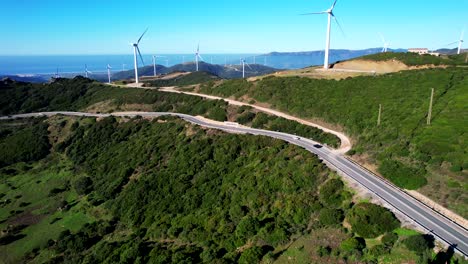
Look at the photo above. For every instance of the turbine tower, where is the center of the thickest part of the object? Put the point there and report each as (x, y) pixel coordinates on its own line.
(385, 43)
(108, 73)
(243, 68)
(327, 45)
(154, 64)
(197, 56)
(135, 50)
(460, 42)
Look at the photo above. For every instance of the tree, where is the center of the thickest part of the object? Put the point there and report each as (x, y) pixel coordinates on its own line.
(370, 220)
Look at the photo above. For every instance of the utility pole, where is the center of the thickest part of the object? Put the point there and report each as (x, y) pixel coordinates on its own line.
(429, 115)
(380, 115)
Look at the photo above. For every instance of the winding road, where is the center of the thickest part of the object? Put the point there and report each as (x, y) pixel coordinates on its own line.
(442, 228)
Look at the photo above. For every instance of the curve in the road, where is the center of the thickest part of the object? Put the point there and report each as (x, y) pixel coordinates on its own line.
(443, 229)
(345, 141)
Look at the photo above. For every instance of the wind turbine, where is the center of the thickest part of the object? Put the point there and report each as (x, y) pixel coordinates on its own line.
(86, 71)
(154, 64)
(385, 43)
(108, 72)
(460, 42)
(135, 50)
(327, 47)
(197, 56)
(243, 68)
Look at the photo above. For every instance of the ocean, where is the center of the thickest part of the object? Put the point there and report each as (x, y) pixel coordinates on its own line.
(75, 64)
(30, 65)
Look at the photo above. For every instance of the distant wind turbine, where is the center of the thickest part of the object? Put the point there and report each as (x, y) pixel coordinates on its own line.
(197, 56)
(86, 71)
(154, 64)
(460, 42)
(243, 68)
(385, 43)
(327, 47)
(109, 72)
(135, 50)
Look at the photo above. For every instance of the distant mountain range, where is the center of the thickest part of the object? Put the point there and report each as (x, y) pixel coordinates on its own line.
(224, 72)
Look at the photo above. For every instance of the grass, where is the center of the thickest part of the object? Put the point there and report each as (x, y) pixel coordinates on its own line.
(33, 186)
(405, 232)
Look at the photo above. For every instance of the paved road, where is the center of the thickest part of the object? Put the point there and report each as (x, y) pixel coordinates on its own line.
(441, 227)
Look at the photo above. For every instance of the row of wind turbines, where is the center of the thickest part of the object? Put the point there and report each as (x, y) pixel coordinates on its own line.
(326, 64)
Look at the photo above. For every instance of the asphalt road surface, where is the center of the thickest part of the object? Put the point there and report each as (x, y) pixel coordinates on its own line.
(442, 228)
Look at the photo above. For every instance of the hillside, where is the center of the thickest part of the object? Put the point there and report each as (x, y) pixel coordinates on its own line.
(81, 94)
(224, 72)
(431, 159)
(299, 60)
(413, 59)
(184, 195)
(181, 79)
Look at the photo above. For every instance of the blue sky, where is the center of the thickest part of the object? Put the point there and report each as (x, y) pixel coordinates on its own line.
(221, 26)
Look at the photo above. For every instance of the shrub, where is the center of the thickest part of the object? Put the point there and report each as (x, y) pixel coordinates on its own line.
(83, 185)
(370, 220)
(353, 244)
(251, 255)
(389, 239)
(331, 193)
(402, 175)
(331, 216)
(419, 243)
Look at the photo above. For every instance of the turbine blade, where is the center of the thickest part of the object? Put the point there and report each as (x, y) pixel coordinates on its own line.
(450, 44)
(248, 65)
(199, 56)
(141, 57)
(314, 13)
(339, 26)
(142, 36)
(333, 6)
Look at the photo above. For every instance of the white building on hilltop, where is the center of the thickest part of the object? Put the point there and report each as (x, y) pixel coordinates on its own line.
(423, 51)
(420, 51)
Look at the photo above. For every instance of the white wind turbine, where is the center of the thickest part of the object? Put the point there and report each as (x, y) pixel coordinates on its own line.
(86, 71)
(243, 67)
(327, 47)
(135, 50)
(109, 73)
(460, 42)
(197, 56)
(154, 64)
(385, 43)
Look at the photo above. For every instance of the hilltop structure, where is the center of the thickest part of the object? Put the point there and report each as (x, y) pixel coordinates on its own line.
(423, 51)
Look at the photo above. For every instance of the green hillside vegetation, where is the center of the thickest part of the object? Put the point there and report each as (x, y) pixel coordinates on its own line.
(183, 80)
(164, 191)
(79, 93)
(414, 59)
(430, 158)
